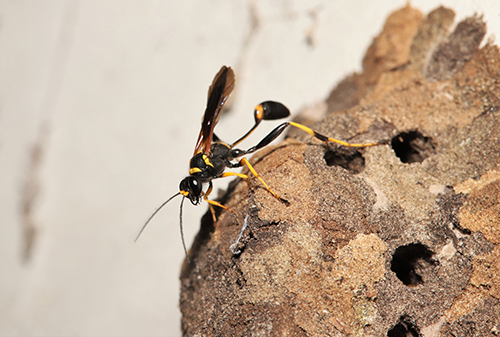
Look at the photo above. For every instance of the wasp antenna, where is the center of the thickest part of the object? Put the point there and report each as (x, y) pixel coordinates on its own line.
(154, 213)
(182, 231)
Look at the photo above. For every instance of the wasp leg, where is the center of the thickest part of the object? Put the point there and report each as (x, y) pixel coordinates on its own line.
(333, 140)
(212, 203)
(244, 161)
(280, 128)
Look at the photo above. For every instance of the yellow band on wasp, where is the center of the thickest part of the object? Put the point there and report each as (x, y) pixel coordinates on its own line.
(206, 160)
(259, 112)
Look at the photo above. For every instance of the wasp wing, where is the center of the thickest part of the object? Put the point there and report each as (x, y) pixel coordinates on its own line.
(219, 91)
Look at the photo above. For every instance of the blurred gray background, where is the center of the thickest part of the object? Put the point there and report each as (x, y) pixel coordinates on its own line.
(100, 108)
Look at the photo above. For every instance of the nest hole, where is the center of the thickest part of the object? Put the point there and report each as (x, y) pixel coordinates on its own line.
(348, 158)
(408, 262)
(412, 147)
(404, 328)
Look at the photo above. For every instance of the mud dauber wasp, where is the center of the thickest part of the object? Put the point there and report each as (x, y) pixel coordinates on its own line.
(212, 156)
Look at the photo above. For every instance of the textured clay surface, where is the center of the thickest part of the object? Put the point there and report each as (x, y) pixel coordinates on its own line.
(401, 239)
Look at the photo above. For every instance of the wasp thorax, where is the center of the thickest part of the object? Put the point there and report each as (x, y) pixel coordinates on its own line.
(198, 161)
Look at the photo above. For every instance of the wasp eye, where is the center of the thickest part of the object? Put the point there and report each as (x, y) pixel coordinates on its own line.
(195, 186)
(184, 185)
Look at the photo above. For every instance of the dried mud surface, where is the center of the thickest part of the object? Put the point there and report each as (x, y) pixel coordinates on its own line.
(401, 239)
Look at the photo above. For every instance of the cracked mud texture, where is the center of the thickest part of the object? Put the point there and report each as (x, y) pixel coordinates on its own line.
(375, 246)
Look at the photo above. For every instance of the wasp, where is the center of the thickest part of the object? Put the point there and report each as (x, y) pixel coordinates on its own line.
(212, 156)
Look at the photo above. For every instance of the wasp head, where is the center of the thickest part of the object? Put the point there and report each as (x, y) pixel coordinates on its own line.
(191, 187)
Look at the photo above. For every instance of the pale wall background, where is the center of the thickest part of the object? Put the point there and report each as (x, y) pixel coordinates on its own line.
(112, 93)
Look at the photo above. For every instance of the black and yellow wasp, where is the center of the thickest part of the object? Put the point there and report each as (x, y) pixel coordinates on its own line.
(212, 156)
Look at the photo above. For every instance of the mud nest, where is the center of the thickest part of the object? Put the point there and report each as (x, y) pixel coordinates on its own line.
(394, 240)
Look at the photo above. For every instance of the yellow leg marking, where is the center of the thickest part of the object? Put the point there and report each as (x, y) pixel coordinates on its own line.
(333, 140)
(243, 176)
(212, 203)
(205, 197)
(229, 174)
(215, 203)
(250, 167)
